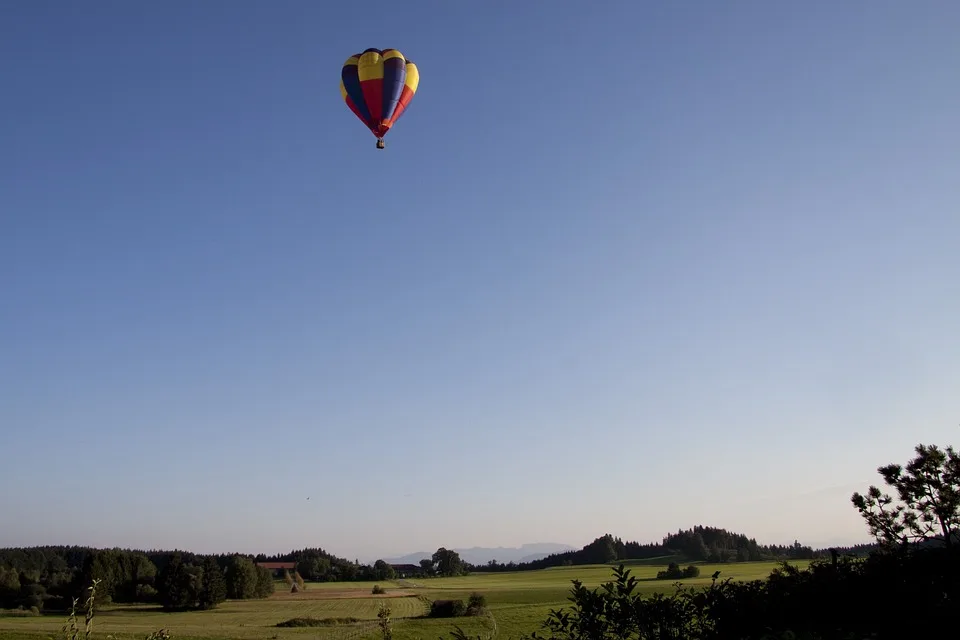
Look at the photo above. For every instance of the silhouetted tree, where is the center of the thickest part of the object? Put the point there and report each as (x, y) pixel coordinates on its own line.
(383, 571)
(928, 510)
(448, 562)
(426, 564)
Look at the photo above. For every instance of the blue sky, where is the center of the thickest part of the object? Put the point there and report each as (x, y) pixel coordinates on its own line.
(704, 254)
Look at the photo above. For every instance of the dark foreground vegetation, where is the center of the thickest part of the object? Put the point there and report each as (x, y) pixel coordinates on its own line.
(907, 587)
(897, 593)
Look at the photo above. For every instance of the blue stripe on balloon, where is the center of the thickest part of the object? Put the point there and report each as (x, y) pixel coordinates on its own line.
(350, 74)
(394, 76)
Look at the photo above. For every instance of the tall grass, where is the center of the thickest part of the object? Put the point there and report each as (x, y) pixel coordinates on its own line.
(71, 629)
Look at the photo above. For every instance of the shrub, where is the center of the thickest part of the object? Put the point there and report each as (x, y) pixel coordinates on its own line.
(674, 572)
(377, 589)
(477, 604)
(146, 593)
(32, 596)
(447, 609)
(383, 617)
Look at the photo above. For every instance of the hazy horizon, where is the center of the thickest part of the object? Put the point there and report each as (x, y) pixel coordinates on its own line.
(370, 558)
(622, 267)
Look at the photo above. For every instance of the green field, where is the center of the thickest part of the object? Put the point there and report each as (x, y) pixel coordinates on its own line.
(518, 603)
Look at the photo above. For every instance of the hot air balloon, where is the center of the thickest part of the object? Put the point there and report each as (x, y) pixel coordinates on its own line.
(378, 87)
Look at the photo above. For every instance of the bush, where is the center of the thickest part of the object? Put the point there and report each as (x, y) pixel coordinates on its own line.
(146, 593)
(447, 609)
(674, 572)
(32, 596)
(377, 589)
(477, 604)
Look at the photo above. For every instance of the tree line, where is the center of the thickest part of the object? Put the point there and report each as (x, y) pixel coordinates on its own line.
(316, 565)
(50, 577)
(700, 543)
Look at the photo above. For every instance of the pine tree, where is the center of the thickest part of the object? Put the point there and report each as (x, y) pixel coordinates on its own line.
(170, 584)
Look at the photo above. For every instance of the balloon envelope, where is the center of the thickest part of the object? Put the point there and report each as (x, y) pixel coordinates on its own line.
(378, 87)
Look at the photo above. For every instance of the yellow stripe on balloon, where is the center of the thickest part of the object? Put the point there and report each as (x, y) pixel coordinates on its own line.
(389, 54)
(370, 66)
(343, 91)
(352, 60)
(413, 77)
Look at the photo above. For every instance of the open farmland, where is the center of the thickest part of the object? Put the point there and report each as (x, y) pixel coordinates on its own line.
(518, 603)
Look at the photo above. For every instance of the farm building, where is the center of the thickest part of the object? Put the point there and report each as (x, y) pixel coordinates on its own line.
(407, 570)
(278, 567)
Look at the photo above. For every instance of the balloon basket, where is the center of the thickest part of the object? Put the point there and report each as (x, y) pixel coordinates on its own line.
(380, 144)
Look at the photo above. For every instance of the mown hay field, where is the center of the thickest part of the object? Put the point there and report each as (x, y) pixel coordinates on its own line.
(518, 603)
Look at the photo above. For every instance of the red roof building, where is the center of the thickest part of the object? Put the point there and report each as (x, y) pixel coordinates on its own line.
(278, 566)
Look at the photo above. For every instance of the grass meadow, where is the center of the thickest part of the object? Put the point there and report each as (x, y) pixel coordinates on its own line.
(518, 602)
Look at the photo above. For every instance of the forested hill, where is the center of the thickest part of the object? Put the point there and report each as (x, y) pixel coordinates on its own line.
(708, 544)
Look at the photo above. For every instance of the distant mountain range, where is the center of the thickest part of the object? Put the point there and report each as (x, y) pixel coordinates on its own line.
(483, 555)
